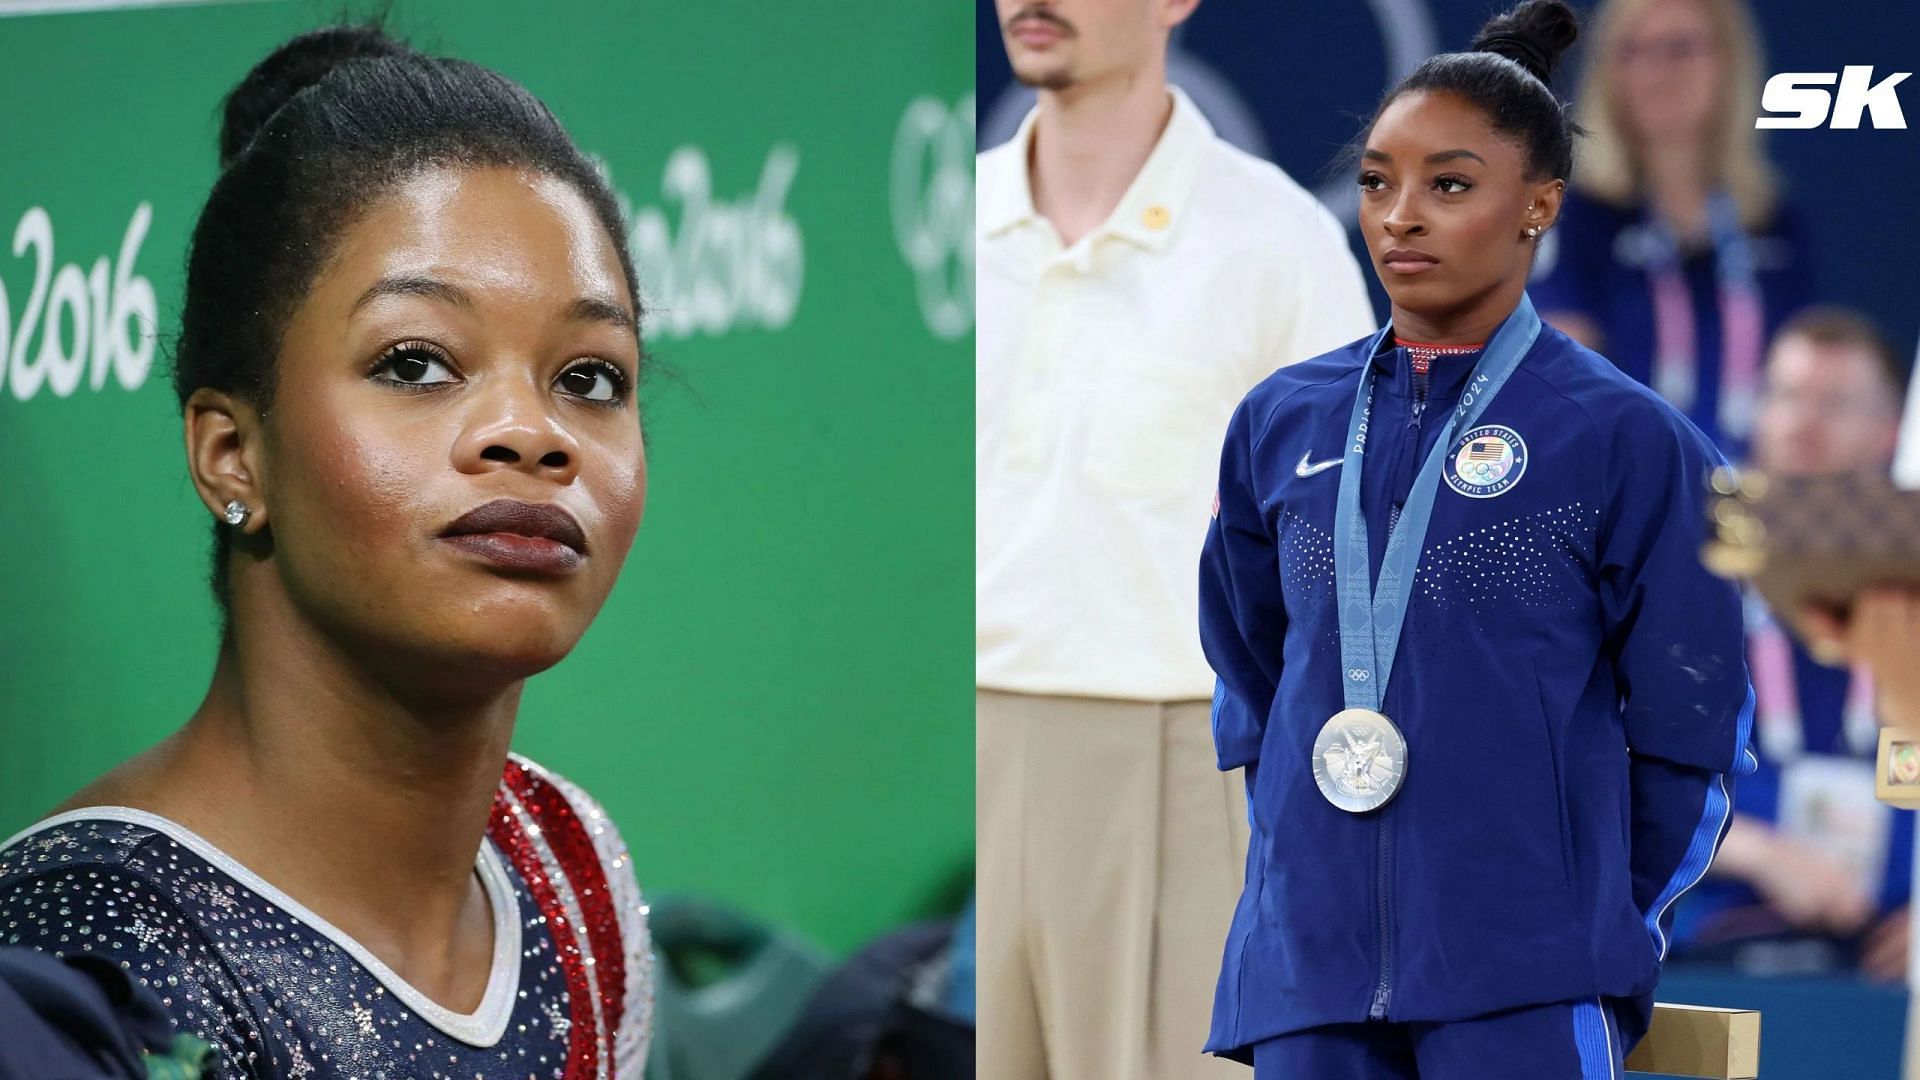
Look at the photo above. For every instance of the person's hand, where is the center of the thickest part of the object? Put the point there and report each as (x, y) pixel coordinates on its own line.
(1810, 889)
(1883, 958)
(1883, 633)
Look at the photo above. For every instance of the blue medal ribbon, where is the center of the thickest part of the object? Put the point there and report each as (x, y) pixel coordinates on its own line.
(1371, 617)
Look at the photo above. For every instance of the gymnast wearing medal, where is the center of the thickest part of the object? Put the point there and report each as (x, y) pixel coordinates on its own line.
(1488, 701)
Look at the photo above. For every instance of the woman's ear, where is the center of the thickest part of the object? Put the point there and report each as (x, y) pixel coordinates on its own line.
(1543, 205)
(224, 456)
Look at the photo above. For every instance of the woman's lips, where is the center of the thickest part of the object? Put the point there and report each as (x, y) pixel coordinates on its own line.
(538, 538)
(516, 552)
(1402, 262)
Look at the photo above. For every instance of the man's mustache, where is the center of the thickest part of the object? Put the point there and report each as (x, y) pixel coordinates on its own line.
(1041, 13)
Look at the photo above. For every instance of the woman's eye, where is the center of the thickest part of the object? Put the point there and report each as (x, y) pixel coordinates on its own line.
(594, 382)
(1452, 185)
(1371, 182)
(414, 366)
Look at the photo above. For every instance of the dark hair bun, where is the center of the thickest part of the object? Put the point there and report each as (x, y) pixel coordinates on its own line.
(1532, 35)
(289, 69)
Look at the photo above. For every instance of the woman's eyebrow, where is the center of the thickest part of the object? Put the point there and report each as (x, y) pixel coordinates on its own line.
(601, 309)
(413, 285)
(1431, 159)
(586, 308)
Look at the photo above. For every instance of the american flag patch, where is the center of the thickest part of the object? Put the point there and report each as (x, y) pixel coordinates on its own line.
(1216, 504)
(1489, 461)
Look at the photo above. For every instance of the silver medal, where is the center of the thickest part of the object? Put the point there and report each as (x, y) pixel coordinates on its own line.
(1359, 760)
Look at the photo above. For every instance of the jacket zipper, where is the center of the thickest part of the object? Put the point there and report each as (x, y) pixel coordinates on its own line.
(1407, 461)
(1383, 989)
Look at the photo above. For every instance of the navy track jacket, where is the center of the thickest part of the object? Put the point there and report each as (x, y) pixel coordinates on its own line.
(1571, 683)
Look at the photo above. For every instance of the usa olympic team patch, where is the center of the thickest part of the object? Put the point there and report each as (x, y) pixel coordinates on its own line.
(1487, 461)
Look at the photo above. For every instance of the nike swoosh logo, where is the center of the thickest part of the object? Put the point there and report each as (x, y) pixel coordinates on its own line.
(1305, 469)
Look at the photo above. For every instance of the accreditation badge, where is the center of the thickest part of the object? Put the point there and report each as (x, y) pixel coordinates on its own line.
(1359, 760)
(1827, 803)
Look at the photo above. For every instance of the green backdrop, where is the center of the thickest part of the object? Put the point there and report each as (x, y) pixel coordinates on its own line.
(776, 704)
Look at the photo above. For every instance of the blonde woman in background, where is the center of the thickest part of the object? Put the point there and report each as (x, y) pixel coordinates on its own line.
(1676, 255)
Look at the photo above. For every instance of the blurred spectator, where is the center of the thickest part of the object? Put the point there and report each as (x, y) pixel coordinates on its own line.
(1675, 255)
(886, 1014)
(1883, 636)
(1832, 397)
(1814, 874)
(1884, 632)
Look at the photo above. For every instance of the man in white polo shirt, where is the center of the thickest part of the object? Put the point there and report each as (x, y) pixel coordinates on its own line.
(1136, 277)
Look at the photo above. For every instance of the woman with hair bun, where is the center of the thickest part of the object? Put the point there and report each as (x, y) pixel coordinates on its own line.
(1678, 255)
(1487, 699)
(406, 369)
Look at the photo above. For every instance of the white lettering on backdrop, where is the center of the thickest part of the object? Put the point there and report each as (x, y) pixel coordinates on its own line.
(89, 324)
(729, 264)
(932, 196)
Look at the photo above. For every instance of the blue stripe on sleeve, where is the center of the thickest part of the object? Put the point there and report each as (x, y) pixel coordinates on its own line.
(1706, 836)
(1746, 764)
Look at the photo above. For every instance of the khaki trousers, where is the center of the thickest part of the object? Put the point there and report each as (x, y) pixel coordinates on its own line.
(1111, 855)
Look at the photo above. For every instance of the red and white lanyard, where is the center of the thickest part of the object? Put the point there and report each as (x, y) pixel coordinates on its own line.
(1742, 319)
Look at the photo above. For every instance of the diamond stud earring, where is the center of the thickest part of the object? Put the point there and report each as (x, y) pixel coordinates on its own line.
(1533, 231)
(237, 513)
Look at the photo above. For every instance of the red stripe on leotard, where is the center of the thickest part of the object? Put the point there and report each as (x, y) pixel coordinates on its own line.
(583, 1056)
(573, 849)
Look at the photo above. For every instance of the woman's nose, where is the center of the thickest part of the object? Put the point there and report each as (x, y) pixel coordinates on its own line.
(517, 427)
